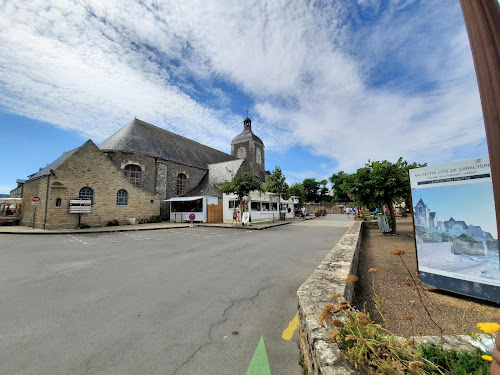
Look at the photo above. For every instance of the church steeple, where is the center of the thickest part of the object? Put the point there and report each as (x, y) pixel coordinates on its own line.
(248, 146)
(247, 124)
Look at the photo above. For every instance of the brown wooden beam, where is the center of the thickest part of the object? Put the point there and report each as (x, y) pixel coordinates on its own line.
(482, 19)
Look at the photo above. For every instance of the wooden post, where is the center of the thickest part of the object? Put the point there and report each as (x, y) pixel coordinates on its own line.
(482, 19)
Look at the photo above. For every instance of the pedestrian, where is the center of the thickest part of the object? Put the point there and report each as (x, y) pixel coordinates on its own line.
(303, 209)
(238, 218)
(235, 217)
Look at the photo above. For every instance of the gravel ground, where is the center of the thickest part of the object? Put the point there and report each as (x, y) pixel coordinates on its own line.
(455, 314)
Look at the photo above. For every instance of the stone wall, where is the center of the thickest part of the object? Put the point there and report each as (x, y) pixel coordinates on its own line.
(35, 188)
(159, 176)
(330, 208)
(87, 167)
(147, 164)
(193, 174)
(319, 354)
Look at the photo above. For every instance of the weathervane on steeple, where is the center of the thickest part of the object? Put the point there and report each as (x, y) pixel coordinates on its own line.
(247, 111)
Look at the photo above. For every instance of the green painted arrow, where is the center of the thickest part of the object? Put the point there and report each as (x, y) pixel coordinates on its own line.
(259, 364)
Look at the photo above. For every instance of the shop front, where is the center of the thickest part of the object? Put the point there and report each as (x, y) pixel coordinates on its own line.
(263, 207)
(190, 209)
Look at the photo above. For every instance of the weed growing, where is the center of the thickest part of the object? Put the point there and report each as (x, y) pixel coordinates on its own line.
(374, 349)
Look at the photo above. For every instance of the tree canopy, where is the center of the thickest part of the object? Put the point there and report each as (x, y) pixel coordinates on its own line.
(297, 190)
(379, 183)
(316, 191)
(277, 184)
(337, 179)
(241, 185)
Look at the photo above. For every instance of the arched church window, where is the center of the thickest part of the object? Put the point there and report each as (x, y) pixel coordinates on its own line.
(181, 184)
(58, 202)
(86, 193)
(134, 174)
(258, 156)
(122, 197)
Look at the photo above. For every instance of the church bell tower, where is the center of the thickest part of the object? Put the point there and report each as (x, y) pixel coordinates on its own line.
(248, 146)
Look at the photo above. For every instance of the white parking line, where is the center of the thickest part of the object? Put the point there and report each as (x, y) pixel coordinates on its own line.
(136, 237)
(81, 241)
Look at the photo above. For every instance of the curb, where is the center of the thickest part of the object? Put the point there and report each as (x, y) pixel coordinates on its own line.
(249, 227)
(319, 354)
(142, 228)
(84, 231)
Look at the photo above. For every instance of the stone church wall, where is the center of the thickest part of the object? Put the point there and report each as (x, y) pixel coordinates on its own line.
(147, 164)
(35, 188)
(159, 176)
(90, 167)
(194, 176)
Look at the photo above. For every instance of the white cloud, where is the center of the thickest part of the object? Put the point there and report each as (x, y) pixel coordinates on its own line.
(313, 71)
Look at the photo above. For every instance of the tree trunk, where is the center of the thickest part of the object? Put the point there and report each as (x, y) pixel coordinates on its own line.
(279, 208)
(241, 212)
(392, 216)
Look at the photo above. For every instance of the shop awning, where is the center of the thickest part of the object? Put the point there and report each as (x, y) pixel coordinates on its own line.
(184, 199)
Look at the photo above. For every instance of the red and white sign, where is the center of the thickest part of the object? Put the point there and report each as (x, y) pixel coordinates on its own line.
(35, 201)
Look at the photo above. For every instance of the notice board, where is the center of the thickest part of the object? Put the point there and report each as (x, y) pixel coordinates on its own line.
(455, 228)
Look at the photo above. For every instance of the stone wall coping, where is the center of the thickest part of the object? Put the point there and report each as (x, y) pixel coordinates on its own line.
(320, 356)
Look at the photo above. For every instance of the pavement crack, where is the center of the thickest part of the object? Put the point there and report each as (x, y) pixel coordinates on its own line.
(191, 357)
(229, 251)
(223, 319)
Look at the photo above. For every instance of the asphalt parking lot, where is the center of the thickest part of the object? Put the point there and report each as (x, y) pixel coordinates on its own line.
(178, 301)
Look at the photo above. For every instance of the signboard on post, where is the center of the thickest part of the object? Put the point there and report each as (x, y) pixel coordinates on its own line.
(455, 228)
(80, 206)
(35, 201)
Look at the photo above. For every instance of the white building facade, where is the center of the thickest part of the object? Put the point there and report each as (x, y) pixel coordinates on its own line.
(263, 207)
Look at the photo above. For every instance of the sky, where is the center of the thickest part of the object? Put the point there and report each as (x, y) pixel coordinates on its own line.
(448, 202)
(328, 85)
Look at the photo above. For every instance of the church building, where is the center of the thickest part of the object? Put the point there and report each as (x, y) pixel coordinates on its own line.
(131, 175)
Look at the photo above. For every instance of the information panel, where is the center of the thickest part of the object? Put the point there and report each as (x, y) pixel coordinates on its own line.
(455, 228)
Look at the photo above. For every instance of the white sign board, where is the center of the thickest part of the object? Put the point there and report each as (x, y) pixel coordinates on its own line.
(77, 206)
(245, 218)
(455, 228)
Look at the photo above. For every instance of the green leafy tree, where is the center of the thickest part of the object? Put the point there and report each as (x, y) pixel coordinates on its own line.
(323, 192)
(298, 191)
(339, 195)
(241, 185)
(312, 189)
(277, 184)
(379, 183)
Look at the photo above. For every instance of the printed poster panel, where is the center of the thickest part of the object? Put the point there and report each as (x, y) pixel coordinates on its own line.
(455, 228)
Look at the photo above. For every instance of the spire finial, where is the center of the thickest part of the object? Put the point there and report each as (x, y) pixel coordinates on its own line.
(247, 111)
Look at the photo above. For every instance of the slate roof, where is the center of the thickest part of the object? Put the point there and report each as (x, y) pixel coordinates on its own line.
(451, 222)
(421, 202)
(143, 138)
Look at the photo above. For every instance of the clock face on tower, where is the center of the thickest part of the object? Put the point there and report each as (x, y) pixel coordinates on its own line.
(258, 156)
(242, 153)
